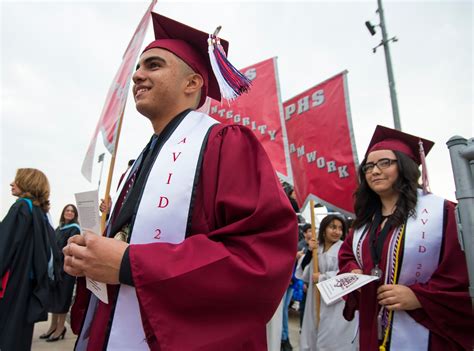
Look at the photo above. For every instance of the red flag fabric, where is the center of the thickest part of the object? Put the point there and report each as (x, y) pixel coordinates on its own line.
(322, 146)
(261, 111)
(117, 95)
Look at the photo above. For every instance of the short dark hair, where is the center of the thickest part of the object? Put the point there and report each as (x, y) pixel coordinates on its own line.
(288, 189)
(305, 227)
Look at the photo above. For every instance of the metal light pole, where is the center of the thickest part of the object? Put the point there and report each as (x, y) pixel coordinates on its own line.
(391, 80)
(462, 161)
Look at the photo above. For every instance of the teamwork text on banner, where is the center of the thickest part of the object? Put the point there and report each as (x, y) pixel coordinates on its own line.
(321, 145)
(261, 111)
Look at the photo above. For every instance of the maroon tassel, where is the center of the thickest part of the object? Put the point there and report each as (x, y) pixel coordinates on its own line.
(424, 171)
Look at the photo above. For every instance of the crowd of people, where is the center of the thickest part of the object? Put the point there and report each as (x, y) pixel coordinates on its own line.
(198, 256)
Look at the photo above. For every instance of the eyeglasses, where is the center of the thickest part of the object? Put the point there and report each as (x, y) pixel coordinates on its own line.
(383, 163)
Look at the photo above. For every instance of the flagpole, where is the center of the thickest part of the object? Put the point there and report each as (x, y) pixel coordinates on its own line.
(315, 262)
(103, 219)
(101, 169)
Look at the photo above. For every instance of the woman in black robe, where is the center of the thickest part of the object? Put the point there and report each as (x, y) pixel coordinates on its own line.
(25, 251)
(61, 295)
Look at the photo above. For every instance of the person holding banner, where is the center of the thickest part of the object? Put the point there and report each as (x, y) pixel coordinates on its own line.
(407, 237)
(104, 206)
(201, 238)
(333, 332)
(25, 253)
(61, 294)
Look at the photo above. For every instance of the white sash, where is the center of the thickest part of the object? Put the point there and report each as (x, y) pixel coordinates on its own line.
(162, 217)
(357, 240)
(421, 252)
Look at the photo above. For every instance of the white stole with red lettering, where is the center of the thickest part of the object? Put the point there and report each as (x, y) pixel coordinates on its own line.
(162, 217)
(421, 252)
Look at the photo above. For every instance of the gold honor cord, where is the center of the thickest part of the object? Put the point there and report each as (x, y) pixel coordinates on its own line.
(383, 347)
(315, 263)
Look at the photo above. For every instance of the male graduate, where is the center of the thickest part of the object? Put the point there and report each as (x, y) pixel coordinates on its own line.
(207, 236)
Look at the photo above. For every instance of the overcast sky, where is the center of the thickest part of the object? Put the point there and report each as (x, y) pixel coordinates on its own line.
(58, 59)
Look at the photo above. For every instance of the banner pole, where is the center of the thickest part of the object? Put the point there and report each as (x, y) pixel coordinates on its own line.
(315, 263)
(103, 218)
(101, 170)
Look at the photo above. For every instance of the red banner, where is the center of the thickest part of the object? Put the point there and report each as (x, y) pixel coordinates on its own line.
(261, 111)
(322, 146)
(117, 95)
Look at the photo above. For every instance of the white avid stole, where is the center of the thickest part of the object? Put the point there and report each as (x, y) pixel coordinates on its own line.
(421, 252)
(162, 217)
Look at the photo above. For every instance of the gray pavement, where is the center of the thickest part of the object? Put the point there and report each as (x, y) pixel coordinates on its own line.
(70, 338)
(38, 344)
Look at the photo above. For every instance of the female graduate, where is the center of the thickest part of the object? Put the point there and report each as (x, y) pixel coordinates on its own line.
(333, 332)
(62, 292)
(25, 252)
(407, 237)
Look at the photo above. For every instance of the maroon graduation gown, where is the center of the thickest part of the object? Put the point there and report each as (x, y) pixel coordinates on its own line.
(220, 286)
(446, 306)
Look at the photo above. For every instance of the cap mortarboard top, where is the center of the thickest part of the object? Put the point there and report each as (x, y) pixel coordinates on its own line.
(391, 139)
(414, 147)
(191, 46)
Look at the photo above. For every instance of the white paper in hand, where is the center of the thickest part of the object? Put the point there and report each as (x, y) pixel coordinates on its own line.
(87, 206)
(333, 289)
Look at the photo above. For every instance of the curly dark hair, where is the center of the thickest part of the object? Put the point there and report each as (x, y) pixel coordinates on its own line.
(326, 222)
(367, 202)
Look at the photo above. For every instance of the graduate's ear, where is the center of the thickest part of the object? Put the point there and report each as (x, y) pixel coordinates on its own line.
(194, 83)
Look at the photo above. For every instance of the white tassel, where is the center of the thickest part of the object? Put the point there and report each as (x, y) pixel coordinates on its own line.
(226, 90)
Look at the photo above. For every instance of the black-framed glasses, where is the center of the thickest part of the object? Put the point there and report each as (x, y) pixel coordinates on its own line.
(383, 163)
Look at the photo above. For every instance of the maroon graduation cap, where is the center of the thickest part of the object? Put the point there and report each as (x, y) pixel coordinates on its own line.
(204, 53)
(391, 139)
(414, 147)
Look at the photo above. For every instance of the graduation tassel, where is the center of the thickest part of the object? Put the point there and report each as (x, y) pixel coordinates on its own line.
(424, 171)
(232, 83)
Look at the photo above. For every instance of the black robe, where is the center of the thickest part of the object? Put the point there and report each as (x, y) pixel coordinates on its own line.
(61, 293)
(24, 252)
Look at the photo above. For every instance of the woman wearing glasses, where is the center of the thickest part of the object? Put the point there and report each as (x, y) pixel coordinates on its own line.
(407, 237)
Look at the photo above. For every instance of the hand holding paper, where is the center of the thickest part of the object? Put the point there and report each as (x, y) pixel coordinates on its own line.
(333, 289)
(95, 257)
(92, 255)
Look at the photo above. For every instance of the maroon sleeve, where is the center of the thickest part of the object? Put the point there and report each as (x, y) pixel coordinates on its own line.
(445, 300)
(346, 258)
(223, 283)
(347, 263)
(79, 307)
